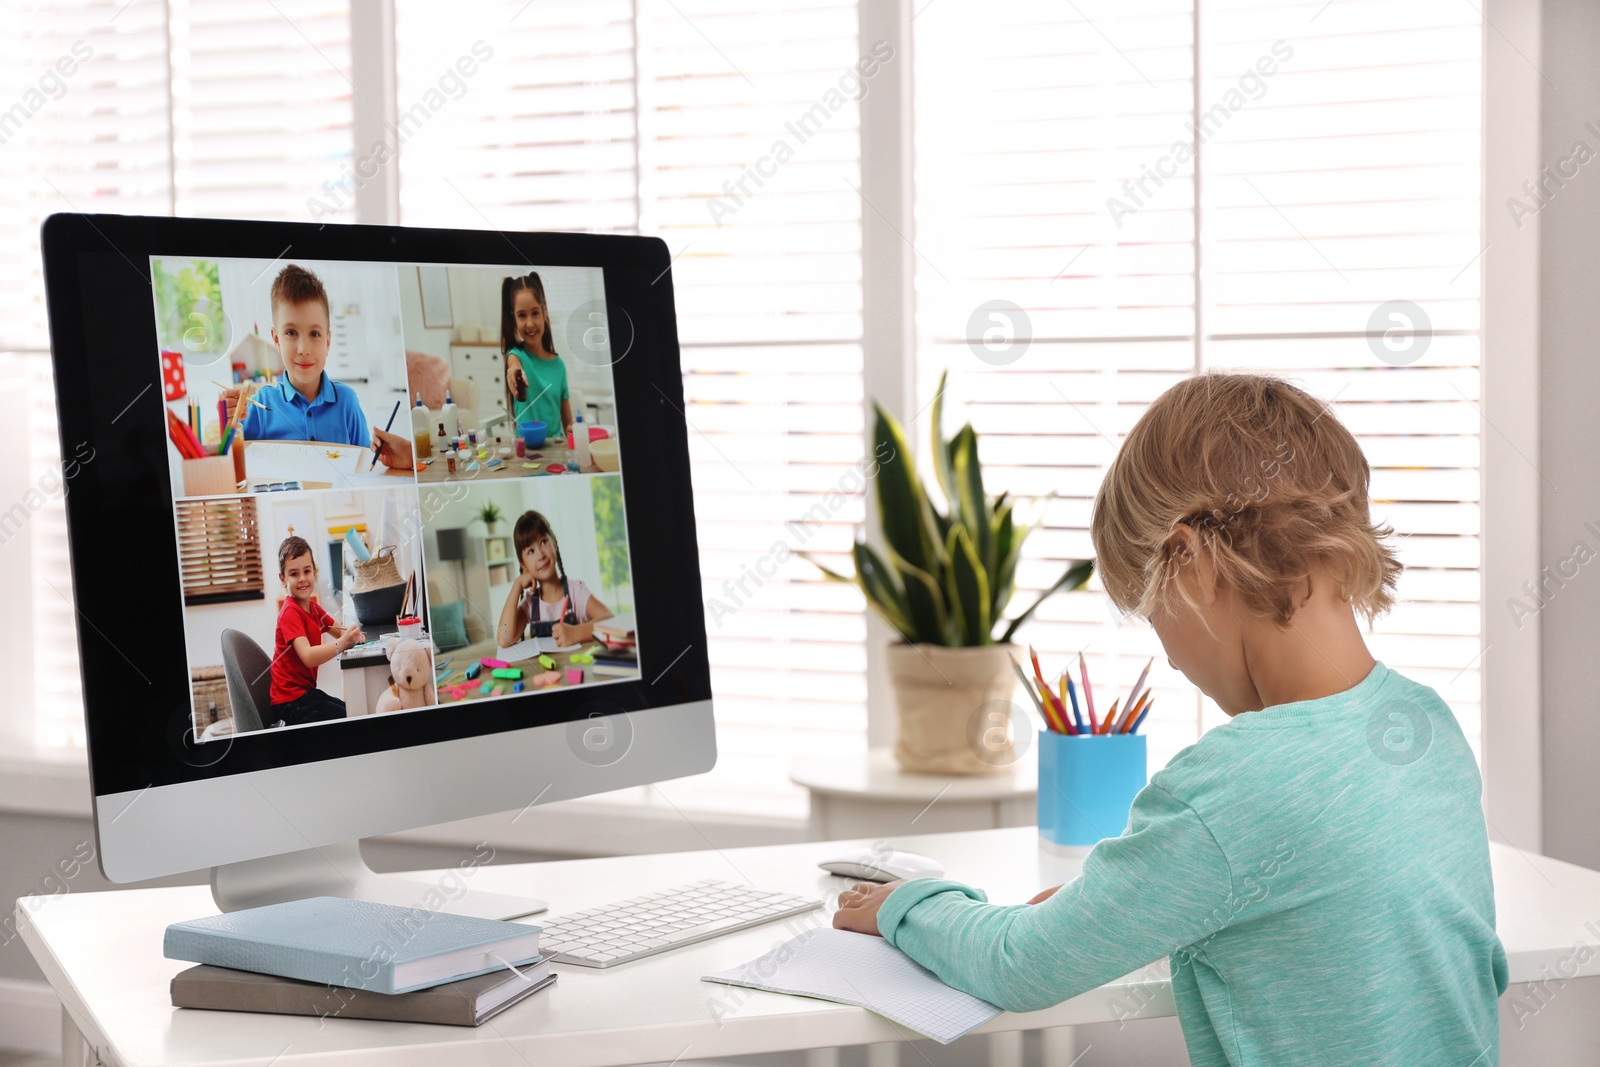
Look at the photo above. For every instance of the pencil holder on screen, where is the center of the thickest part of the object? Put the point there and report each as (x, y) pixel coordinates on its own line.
(210, 476)
(1086, 786)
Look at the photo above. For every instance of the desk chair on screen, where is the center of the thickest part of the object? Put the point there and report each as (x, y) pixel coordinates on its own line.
(248, 670)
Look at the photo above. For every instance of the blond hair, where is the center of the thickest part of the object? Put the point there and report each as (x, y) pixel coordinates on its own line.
(1268, 478)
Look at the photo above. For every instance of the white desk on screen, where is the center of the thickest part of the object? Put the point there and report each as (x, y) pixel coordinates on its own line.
(102, 954)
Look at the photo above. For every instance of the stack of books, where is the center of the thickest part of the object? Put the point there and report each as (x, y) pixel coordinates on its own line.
(621, 657)
(338, 958)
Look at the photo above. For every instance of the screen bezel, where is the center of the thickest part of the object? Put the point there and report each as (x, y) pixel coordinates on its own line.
(135, 684)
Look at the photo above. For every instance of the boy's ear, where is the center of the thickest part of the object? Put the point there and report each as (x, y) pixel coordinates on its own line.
(1194, 562)
(1183, 544)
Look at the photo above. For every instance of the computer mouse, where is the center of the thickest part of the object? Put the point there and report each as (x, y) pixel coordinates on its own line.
(882, 865)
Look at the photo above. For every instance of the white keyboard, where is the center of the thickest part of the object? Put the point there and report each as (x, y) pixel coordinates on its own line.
(655, 922)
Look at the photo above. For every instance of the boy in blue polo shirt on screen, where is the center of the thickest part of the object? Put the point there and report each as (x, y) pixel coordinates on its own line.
(305, 404)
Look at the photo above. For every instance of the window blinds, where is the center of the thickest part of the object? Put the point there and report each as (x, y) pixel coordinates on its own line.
(85, 130)
(261, 109)
(667, 119)
(1337, 171)
(219, 550)
(1046, 176)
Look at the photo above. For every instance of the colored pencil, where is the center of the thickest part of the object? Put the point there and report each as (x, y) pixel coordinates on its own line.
(1088, 693)
(1051, 715)
(1058, 715)
(1144, 706)
(1122, 720)
(1044, 691)
(1131, 714)
(1135, 727)
(1111, 718)
(1072, 694)
(389, 426)
(183, 438)
(1027, 687)
(1061, 685)
(1034, 656)
(1138, 686)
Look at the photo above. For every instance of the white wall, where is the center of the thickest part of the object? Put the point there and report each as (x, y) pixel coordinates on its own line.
(16, 559)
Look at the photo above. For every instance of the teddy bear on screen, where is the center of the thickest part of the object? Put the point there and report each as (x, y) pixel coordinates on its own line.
(411, 678)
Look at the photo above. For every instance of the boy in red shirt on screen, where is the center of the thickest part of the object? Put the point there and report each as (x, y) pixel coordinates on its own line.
(297, 646)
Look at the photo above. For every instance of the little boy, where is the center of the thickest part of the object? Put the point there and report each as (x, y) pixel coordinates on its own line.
(297, 646)
(305, 404)
(1316, 870)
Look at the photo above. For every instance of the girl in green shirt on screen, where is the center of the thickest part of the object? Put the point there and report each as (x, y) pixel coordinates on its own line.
(536, 379)
(1315, 870)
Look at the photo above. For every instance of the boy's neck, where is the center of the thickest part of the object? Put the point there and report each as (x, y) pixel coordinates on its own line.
(1321, 653)
(309, 393)
(304, 602)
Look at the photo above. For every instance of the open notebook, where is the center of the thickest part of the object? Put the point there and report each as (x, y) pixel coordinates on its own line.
(868, 972)
(531, 647)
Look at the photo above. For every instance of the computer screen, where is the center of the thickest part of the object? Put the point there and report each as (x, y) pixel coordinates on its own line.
(483, 531)
(380, 522)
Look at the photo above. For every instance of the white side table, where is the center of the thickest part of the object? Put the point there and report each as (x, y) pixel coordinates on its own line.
(855, 796)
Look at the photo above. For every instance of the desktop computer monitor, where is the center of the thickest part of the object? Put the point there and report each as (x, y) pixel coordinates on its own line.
(290, 642)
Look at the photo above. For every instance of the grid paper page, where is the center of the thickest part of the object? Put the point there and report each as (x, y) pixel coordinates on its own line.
(868, 972)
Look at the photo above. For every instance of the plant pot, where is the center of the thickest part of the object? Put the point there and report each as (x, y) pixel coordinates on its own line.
(946, 703)
(490, 527)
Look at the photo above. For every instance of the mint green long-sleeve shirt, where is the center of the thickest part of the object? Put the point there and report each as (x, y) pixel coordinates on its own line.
(1317, 872)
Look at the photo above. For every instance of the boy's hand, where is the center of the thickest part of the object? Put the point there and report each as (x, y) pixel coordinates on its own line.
(232, 393)
(350, 638)
(1043, 895)
(858, 906)
(393, 450)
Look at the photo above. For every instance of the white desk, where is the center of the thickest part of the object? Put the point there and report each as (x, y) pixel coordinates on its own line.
(102, 954)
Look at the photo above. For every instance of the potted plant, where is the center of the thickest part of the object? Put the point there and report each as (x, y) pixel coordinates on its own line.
(489, 515)
(944, 587)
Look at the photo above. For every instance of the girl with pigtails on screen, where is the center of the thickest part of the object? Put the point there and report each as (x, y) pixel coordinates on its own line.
(545, 601)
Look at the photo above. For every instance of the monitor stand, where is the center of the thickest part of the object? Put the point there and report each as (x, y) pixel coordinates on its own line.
(339, 871)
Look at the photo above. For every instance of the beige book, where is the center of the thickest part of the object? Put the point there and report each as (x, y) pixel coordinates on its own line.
(465, 1003)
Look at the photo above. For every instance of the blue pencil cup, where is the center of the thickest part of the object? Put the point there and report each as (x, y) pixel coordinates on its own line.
(1087, 785)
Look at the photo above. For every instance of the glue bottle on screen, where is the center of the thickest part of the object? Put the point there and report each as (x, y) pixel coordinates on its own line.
(421, 436)
(580, 436)
(452, 421)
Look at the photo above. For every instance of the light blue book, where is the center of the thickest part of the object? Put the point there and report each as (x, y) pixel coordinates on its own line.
(354, 943)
